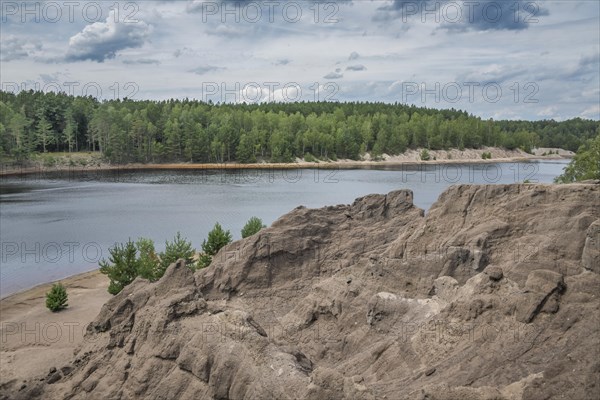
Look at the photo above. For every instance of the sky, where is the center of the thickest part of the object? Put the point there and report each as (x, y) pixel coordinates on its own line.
(498, 59)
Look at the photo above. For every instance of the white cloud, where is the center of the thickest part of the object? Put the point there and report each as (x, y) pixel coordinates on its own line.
(559, 54)
(102, 40)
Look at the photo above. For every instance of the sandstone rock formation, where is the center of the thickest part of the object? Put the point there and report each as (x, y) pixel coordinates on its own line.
(494, 294)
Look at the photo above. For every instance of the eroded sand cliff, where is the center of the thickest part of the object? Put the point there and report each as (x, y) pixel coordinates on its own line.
(491, 295)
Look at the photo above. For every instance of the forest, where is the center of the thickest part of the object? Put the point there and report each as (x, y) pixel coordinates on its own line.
(186, 130)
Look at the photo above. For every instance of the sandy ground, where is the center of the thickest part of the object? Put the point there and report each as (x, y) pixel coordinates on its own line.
(33, 339)
(410, 157)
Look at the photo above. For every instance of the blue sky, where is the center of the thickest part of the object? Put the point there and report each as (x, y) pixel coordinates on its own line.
(498, 59)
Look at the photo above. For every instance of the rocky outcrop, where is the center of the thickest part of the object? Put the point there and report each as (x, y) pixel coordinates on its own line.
(491, 295)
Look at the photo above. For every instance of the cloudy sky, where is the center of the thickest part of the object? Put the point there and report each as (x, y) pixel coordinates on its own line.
(498, 59)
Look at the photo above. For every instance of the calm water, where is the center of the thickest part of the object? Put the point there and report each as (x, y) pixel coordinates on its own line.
(52, 227)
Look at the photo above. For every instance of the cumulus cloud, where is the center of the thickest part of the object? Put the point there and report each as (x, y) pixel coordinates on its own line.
(357, 67)
(15, 48)
(102, 40)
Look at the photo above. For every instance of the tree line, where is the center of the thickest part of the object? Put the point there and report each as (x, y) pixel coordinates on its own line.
(193, 131)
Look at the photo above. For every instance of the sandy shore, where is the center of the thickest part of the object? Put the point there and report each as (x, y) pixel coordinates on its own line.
(409, 158)
(33, 339)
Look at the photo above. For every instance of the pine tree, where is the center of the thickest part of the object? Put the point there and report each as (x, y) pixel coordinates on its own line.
(178, 248)
(121, 267)
(44, 133)
(245, 150)
(148, 260)
(217, 239)
(70, 132)
(253, 225)
(56, 298)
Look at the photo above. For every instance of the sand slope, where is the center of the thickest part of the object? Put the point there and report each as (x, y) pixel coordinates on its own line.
(33, 339)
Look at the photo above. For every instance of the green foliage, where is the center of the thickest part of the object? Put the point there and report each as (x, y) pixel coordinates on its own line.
(56, 298)
(204, 261)
(217, 238)
(585, 164)
(245, 150)
(486, 155)
(121, 267)
(310, 158)
(130, 260)
(193, 131)
(253, 225)
(178, 248)
(148, 261)
(425, 155)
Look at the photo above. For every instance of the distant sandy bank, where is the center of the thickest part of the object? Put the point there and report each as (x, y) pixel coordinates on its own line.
(409, 158)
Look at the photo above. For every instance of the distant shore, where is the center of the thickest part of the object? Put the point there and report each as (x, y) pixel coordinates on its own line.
(409, 158)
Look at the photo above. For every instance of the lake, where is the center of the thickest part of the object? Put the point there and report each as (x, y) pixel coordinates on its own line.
(54, 226)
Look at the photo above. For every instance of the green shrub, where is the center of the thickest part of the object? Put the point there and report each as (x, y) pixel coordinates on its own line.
(425, 155)
(49, 161)
(486, 155)
(121, 267)
(56, 298)
(310, 158)
(253, 225)
(130, 260)
(217, 238)
(178, 248)
(584, 165)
